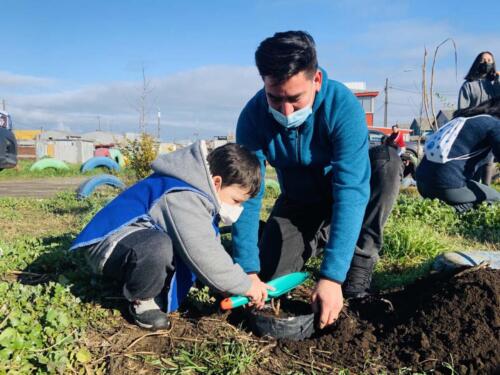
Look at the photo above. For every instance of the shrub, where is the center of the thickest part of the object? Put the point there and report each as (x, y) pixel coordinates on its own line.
(139, 154)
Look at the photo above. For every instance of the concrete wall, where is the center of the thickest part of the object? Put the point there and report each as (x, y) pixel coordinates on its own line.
(70, 151)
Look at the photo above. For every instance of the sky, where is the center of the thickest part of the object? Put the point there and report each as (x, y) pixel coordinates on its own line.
(77, 65)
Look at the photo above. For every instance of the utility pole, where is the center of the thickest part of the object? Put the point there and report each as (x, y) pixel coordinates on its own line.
(3, 104)
(99, 120)
(158, 130)
(386, 89)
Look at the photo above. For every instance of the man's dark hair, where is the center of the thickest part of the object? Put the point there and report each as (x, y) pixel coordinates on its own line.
(475, 73)
(285, 54)
(237, 166)
(395, 126)
(490, 107)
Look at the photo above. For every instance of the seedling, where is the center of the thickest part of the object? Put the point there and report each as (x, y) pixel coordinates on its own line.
(275, 305)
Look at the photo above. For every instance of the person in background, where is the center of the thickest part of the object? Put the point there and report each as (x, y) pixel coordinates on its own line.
(453, 154)
(397, 138)
(481, 84)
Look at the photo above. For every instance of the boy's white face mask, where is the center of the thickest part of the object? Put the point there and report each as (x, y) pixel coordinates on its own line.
(229, 213)
(230, 199)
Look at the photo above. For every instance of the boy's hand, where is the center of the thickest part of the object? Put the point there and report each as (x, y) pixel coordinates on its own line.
(327, 299)
(257, 292)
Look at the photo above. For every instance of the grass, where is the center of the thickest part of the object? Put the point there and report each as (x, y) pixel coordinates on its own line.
(229, 357)
(50, 304)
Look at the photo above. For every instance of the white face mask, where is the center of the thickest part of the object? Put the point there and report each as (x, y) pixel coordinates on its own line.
(293, 120)
(229, 213)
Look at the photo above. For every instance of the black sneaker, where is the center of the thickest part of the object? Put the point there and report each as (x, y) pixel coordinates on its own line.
(359, 278)
(147, 314)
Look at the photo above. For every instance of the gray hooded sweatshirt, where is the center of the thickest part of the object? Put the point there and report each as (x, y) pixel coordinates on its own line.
(474, 93)
(187, 218)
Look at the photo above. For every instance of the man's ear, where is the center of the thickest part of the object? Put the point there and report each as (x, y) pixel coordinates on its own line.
(318, 80)
(217, 182)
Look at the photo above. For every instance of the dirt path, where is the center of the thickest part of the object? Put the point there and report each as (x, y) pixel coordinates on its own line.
(38, 187)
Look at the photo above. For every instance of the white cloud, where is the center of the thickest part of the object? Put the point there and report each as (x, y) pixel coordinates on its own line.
(15, 81)
(209, 99)
(206, 101)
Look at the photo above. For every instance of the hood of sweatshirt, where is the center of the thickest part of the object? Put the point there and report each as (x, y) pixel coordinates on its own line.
(190, 165)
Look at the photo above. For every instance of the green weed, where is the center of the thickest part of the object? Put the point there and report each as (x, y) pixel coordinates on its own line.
(40, 328)
(215, 358)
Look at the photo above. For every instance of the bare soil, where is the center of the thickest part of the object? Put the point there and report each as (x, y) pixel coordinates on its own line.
(38, 187)
(441, 322)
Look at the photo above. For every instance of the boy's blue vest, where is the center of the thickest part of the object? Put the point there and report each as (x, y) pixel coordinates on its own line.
(133, 205)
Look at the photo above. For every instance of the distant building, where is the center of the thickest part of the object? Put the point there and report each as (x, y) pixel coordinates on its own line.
(54, 134)
(101, 138)
(27, 135)
(444, 116)
(366, 99)
(166, 147)
(420, 125)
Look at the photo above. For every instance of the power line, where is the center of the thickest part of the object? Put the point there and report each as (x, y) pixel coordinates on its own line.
(420, 92)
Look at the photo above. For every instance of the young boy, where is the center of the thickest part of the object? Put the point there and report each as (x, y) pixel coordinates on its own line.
(162, 233)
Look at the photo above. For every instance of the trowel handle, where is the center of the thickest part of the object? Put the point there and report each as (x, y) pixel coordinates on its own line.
(281, 285)
(232, 302)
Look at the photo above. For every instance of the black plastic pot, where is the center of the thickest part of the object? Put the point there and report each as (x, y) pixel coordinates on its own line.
(263, 323)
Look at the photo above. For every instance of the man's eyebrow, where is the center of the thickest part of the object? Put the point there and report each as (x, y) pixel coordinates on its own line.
(274, 96)
(288, 98)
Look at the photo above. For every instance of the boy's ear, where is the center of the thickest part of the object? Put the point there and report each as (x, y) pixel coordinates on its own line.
(217, 182)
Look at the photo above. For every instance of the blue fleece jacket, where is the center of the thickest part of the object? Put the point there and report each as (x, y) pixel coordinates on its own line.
(324, 158)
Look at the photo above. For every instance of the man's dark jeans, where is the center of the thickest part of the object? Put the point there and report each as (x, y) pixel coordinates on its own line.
(141, 261)
(464, 198)
(296, 231)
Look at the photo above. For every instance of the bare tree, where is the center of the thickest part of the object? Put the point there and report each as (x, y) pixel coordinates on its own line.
(428, 98)
(143, 101)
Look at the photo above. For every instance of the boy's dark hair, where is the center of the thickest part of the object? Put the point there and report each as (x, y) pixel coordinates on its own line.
(237, 166)
(475, 74)
(490, 107)
(285, 54)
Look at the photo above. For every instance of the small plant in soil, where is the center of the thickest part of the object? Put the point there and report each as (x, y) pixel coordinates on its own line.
(276, 305)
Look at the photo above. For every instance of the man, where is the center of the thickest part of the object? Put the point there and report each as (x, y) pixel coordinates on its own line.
(312, 130)
(397, 139)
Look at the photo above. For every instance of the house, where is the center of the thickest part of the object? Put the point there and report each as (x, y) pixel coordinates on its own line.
(444, 116)
(420, 125)
(366, 99)
(101, 138)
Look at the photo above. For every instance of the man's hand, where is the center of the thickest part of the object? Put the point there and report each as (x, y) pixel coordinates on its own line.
(258, 291)
(327, 299)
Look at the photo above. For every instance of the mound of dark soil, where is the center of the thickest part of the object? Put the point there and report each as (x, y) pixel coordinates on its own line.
(444, 321)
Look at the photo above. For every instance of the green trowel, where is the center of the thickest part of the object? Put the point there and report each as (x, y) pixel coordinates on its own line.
(282, 285)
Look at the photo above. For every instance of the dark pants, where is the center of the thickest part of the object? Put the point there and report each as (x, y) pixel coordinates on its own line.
(484, 173)
(296, 231)
(141, 261)
(462, 199)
